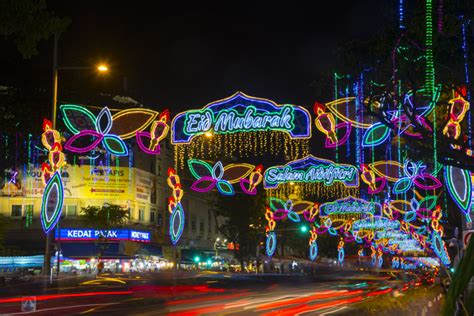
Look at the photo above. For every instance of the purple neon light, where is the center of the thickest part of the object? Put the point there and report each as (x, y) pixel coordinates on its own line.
(380, 188)
(280, 214)
(141, 145)
(321, 230)
(306, 215)
(212, 184)
(343, 140)
(83, 134)
(247, 191)
(436, 183)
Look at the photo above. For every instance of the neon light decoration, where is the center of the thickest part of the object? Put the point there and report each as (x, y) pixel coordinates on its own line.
(177, 216)
(458, 110)
(313, 244)
(340, 251)
(311, 170)
(282, 210)
(241, 113)
(376, 184)
(459, 184)
(439, 248)
(252, 182)
(350, 205)
(375, 223)
(109, 129)
(414, 175)
(271, 243)
(208, 177)
(158, 131)
(326, 123)
(52, 202)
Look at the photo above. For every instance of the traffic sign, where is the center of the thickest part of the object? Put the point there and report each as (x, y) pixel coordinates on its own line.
(466, 236)
(28, 304)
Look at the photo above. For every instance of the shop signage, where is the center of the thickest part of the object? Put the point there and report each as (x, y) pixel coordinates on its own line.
(78, 234)
(241, 113)
(350, 205)
(311, 170)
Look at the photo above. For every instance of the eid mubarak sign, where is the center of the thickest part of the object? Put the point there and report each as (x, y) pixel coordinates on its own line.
(311, 170)
(241, 113)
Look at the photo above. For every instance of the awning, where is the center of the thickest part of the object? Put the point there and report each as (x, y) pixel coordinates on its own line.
(92, 250)
(151, 250)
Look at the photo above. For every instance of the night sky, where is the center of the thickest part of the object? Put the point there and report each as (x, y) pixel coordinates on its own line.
(183, 56)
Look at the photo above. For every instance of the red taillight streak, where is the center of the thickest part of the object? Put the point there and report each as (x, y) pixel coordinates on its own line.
(203, 299)
(307, 299)
(56, 296)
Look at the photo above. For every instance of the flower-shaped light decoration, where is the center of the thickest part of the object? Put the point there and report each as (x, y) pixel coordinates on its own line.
(311, 213)
(89, 130)
(459, 107)
(313, 244)
(376, 184)
(282, 210)
(249, 186)
(326, 123)
(174, 207)
(414, 174)
(208, 177)
(158, 131)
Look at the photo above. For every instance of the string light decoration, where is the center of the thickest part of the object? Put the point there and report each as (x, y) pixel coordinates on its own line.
(177, 217)
(208, 177)
(158, 131)
(459, 185)
(52, 202)
(457, 112)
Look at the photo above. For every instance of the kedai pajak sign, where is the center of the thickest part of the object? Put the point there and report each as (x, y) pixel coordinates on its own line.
(77, 234)
(311, 170)
(241, 113)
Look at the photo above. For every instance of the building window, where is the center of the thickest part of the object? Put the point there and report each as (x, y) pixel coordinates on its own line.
(152, 215)
(71, 210)
(160, 218)
(201, 227)
(16, 210)
(29, 210)
(141, 215)
(193, 223)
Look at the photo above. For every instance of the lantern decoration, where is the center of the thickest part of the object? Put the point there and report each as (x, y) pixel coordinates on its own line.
(249, 186)
(158, 131)
(313, 245)
(373, 255)
(395, 262)
(209, 177)
(175, 207)
(379, 257)
(457, 111)
(51, 140)
(326, 123)
(376, 184)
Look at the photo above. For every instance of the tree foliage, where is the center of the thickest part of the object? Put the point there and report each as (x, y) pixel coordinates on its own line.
(27, 22)
(104, 217)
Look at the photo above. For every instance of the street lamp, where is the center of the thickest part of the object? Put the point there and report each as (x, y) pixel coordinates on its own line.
(101, 68)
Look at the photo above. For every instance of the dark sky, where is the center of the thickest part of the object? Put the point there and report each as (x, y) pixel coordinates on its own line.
(183, 56)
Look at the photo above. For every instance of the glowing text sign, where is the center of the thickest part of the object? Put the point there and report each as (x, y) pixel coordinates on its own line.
(375, 223)
(349, 205)
(110, 234)
(311, 170)
(241, 113)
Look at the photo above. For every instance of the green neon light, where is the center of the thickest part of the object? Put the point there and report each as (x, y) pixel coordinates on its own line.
(231, 121)
(193, 162)
(72, 107)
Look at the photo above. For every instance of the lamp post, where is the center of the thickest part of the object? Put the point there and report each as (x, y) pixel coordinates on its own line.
(102, 69)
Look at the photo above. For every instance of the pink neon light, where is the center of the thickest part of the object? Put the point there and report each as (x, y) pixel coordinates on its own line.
(280, 214)
(84, 133)
(55, 296)
(420, 213)
(330, 144)
(379, 189)
(306, 215)
(321, 230)
(212, 184)
(242, 183)
(142, 146)
(437, 184)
